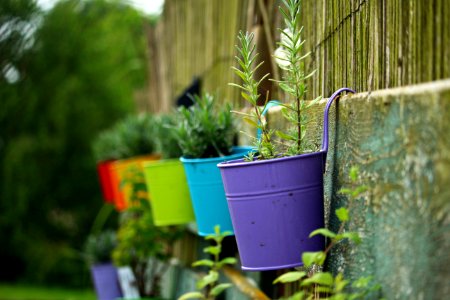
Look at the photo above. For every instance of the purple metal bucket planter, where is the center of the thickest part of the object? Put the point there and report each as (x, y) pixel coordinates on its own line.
(106, 281)
(275, 204)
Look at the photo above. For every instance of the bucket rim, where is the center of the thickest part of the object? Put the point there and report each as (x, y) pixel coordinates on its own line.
(241, 163)
(237, 152)
(161, 163)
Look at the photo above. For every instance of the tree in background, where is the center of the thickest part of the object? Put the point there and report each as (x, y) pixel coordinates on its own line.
(74, 72)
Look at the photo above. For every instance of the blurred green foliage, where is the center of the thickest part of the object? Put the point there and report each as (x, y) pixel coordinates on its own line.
(138, 239)
(65, 75)
(166, 139)
(99, 247)
(130, 136)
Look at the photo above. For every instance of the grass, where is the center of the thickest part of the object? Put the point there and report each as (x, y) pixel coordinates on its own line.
(25, 292)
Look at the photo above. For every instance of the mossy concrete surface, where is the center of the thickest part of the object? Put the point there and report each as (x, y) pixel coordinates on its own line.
(400, 139)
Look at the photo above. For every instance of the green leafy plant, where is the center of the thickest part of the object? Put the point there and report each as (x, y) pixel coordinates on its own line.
(137, 133)
(209, 283)
(205, 129)
(323, 285)
(108, 146)
(131, 136)
(249, 92)
(290, 58)
(98, 248)
(139, 240)
(166, 138)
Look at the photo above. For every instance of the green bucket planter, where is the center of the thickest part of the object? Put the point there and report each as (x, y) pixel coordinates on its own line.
(169, 192)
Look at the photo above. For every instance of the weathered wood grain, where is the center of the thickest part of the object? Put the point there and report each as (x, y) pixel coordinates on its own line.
(371, 45)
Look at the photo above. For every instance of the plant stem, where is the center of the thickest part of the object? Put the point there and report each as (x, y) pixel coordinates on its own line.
(299, 125)
(341, 227)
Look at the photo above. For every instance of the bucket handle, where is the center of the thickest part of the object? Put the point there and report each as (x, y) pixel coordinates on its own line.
(335, 95)
(325, 121)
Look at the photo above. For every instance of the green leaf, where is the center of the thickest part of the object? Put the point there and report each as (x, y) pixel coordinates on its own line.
(217, 230)
(319, 278)
(359, 190)
(297, 296)
(354, 172)
(340, 283)
(310, 258)
(237, 85)
(290, 277)
(345, 191)
(284, 136)
(324, 289)
(227, 233)
(324, 232)
(362, 282)
(227, 261)
(353, 236)
(342, 296)
(211, 277)
(342, 214)
(313, 102)
(192, 295)
(214, 250)
(250, 121)
(241, 113)
(219, 289)
(203, 262)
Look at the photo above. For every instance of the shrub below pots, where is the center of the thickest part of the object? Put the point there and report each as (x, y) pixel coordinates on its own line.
(139, 240)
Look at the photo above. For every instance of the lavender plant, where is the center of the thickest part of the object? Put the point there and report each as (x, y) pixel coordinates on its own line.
(205, 129)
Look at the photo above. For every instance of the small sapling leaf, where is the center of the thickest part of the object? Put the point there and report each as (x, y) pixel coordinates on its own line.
(310, 258)
(203, 262)
(323, 231)
(219, 289)
(342, 214)
(210, 278)
(319, 278)
(290, 277)
(214, 250)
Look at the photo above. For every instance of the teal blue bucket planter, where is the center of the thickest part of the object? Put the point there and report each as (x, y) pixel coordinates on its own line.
(207, 193)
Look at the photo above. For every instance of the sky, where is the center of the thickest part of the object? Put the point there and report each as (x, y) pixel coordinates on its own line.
(148, 6)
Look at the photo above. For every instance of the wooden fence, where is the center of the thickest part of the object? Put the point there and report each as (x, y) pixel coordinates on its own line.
(376, 44)
(363, 44)
(194, 39)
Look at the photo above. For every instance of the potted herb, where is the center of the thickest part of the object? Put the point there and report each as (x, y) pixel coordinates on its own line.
(276, 198)
(166, 180)
(143, 246)
(205, 133)
(136, 134)
(97, 251)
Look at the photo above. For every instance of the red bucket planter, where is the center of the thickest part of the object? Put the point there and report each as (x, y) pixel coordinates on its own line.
(106, 180)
